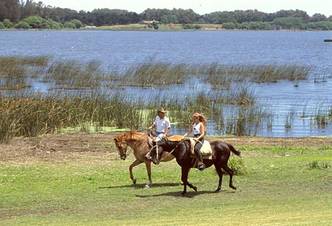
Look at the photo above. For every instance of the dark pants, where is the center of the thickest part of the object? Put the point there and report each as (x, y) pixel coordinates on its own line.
(198, 147)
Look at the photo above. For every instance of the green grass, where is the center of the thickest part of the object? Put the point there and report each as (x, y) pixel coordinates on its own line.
(279, 188)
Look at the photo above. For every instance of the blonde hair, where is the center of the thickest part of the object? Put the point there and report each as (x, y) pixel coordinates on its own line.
(200, 117)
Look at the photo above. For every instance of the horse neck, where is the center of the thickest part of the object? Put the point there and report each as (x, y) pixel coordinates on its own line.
(135, 143)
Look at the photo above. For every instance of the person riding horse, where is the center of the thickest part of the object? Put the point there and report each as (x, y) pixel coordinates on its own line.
(198, 128)
(160, 128)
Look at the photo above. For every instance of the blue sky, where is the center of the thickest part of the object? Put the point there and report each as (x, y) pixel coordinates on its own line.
(199, 6)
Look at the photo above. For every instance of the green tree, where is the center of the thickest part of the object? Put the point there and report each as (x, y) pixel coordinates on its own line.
(289, 23)
(9, 9)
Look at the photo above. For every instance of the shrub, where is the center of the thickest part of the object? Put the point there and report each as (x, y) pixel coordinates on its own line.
(8, 23)
(2, 26)
(229, 25)
(78, 24)
(22, 25)
(70, 25)
(53, 24)
(237, 165)
(36, 22)
(319, 165)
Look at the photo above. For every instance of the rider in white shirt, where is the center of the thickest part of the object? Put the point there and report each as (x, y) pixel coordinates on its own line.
(161, 125)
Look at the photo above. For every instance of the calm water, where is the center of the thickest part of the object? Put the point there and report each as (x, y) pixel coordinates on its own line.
(118, 50)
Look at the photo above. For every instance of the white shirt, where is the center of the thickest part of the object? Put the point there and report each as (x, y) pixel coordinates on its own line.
(197, 128)
(162, 124)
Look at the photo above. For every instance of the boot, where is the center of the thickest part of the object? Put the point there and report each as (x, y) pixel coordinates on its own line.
(200, 164)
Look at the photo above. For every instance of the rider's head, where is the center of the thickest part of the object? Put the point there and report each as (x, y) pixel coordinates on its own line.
(161, 113)
(198, 117)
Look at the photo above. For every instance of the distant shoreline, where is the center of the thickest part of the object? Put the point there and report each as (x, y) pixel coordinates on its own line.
(165, 27)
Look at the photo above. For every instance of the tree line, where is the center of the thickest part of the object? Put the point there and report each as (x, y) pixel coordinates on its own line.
(31, 14)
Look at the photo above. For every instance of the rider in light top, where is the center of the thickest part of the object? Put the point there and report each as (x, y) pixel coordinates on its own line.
(198, 128)
(161, 125)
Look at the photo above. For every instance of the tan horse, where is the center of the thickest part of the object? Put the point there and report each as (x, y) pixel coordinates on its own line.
(139, 142)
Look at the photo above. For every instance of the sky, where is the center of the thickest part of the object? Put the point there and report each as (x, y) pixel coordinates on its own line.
(199, 6)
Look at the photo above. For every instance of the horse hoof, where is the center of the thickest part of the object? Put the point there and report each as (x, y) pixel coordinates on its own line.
(183, 193)
(233, 187)
(147, 186)
(195, 189)
(134, 181)
(218, 190)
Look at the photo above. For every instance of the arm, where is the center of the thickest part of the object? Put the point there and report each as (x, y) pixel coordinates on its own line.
(153, 125)
(168, 127)
(190, 130)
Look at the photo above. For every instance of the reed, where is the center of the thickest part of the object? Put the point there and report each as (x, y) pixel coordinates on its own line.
(154, 74)
(35, 115)
(75, 75)
(15, 71)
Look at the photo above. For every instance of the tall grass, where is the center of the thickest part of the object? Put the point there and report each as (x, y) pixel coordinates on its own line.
(35, 115)
(218, 75)
(14, 71)
(75, 75)
(154, 74)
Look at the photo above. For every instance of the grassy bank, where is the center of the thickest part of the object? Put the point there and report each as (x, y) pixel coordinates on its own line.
(81, 180)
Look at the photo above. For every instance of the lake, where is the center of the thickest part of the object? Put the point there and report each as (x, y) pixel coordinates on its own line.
(120, 50)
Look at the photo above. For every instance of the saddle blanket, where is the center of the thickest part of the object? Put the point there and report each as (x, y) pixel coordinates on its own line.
(206, 149)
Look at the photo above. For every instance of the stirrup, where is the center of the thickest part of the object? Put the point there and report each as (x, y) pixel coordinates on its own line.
(201, 166)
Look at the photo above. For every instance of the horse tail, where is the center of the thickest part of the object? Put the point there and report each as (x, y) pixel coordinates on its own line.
(236, 152)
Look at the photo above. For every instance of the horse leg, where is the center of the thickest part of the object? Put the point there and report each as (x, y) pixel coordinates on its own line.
(184, 178)
(220, 174)
(192, 186)
(231, 173)
(135, 163)
(148, 170)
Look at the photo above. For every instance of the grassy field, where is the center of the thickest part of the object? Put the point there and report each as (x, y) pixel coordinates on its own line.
(79, 180)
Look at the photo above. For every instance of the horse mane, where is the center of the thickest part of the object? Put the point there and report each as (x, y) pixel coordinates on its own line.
(135, 135)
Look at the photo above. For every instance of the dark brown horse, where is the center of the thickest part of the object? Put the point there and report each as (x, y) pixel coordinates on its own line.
(182, 152)
(138, 141)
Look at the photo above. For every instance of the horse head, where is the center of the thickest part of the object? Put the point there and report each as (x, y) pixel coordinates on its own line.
(122, 146)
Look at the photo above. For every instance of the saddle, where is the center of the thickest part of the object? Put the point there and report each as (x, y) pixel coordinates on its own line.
(165, 156)
(205, 150)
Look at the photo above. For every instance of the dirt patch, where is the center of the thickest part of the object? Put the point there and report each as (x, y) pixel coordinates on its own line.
(61, 148)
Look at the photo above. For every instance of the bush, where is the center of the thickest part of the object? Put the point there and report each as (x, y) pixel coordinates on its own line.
(70, 25)
(8, 23)
(36, 22)
(319, 165)
(2, 26)
(53, 24)
(22, 25)
(229, 25)
(78, 24)
(191, 26)
(237, 165)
